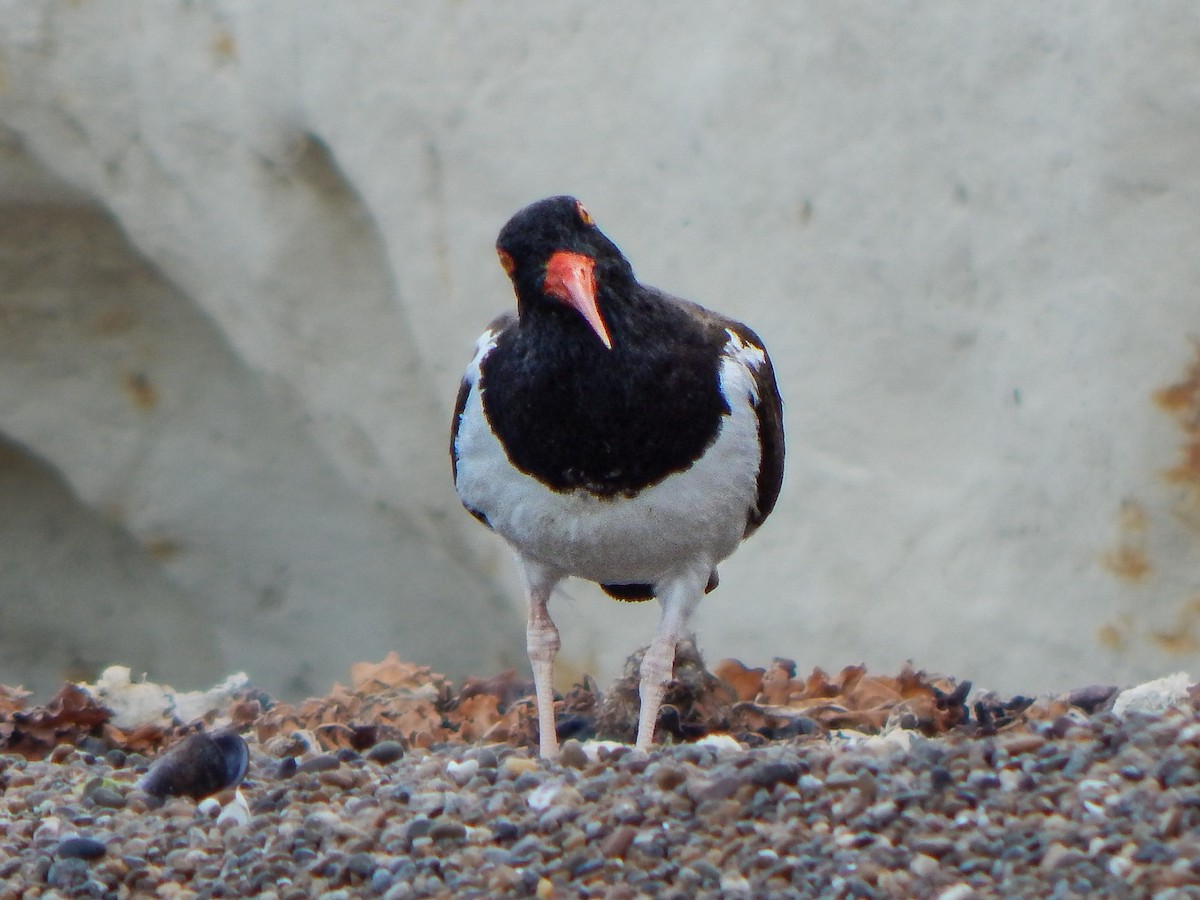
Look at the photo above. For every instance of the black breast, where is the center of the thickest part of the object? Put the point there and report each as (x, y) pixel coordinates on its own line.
(613, 422)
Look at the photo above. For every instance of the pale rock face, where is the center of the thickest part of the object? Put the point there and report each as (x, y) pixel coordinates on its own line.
(245, 249)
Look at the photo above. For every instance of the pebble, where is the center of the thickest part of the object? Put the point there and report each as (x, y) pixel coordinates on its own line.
(516, 766)
(77, 847)
(386, 752)
(571, 755)
(325, 763)
(448, 831)
(924, 865)
(67, 873)
(957, 892)
(462, 772)
(108, 798)
(1079, 806)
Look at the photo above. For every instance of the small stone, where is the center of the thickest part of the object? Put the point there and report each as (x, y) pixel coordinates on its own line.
(1018, 743)
(721, 744)
(47, 831)
(734, 885)
(76, 847)
(618, 842)
(770, 773)
(381, 880)
(324, 763)
(361, 865)
(67, 873)
(1092, 697)
(487, 758)
(572, 756)
(516, 766)
(417, 828)
(543, 796)
(1169, 822)
(712, 789)
(448, 831)
(108, 798)
(957, 892)
(1154, 852)
(669, 777)
(235, 812)
(386, 752)
(839, 781)
(343, 779)
(504, 830)
(940, 778)
(937, 847)
(1058, 855)
(923, 865)
(1120, 866)
(462, 772)
(601, 751)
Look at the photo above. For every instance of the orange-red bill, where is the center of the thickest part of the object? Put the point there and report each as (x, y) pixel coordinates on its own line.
(570, 277)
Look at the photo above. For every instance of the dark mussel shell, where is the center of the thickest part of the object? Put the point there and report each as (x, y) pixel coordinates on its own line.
(201, 765)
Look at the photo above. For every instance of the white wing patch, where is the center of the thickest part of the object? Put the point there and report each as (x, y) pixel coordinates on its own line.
(485, 345)
(750, 357)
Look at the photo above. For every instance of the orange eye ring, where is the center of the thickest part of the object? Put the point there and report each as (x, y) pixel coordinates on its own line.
(584, 216)
(506, 262)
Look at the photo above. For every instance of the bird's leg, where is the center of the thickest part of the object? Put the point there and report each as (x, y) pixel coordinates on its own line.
(542, 643)
(679, 598)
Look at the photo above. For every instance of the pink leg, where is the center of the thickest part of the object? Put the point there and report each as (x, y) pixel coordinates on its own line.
(542, 643)
(679, 598)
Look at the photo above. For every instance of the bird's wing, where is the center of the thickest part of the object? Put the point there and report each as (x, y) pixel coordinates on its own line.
(768, 406)
(486, 341)
(770, 436)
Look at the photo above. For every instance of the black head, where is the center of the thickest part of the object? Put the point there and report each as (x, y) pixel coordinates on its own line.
(555, 254)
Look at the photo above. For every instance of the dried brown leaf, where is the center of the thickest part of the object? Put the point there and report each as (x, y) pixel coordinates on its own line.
(475, 716)
(70, 715)
(390, 672)
(746, 682)
(421, 726)
(12, 699)
(506, 687)
(777, 684)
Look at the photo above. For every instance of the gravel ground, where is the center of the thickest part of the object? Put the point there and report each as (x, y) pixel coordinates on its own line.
(1078, 806)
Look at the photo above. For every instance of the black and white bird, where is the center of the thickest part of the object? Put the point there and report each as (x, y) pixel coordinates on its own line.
(613, 432)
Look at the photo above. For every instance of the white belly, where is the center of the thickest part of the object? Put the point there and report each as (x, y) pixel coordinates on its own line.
(698, 515)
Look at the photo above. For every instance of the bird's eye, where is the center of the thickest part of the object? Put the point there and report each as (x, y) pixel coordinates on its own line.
(506, 262)
(584, 216)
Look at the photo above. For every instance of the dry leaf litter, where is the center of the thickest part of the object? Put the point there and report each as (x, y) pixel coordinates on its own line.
(767, 783)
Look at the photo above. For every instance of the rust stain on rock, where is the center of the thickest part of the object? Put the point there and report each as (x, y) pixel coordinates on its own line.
(141, 391)
(163, 549)
(1128, 560)
(116, 322)
(1182, 401)
(224, 46)
(1181, 639)
(1114, 636)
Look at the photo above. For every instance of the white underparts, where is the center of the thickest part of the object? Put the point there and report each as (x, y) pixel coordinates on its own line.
(692, 517)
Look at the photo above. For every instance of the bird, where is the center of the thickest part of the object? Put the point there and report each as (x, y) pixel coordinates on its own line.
(610, 431)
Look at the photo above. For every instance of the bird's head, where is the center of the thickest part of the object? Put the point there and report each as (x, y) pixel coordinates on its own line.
(554, 253)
